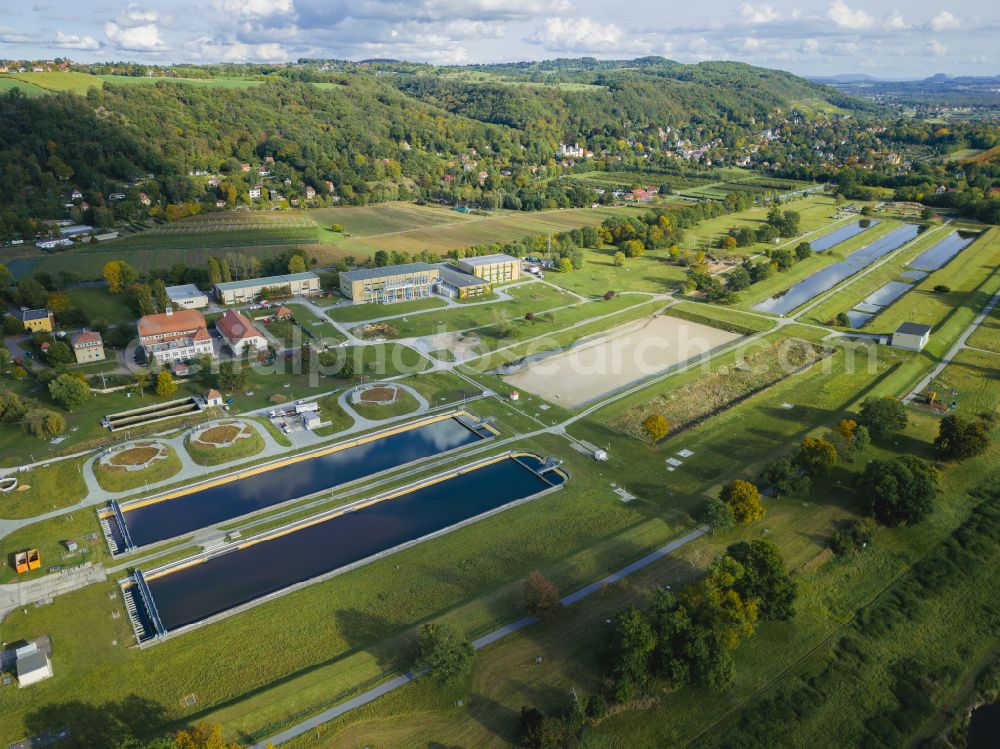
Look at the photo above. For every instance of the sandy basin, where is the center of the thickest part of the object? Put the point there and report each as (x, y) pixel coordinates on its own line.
(615, 358)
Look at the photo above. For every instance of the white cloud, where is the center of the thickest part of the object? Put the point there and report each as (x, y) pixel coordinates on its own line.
(758, 13)
(751, 43)
(810, 46)
(944, 21)
(895, 21)
(145, 38)
(935, 48)
(249, 10)
(12, 36)
(215, 50)
(843, 15)
(577, 35)
(72, 41)
(136, 15)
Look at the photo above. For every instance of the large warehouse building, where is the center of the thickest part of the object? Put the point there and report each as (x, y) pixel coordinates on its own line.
(238, 292)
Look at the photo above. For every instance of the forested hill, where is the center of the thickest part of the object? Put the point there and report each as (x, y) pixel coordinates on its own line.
(581, 98)
(374, 131)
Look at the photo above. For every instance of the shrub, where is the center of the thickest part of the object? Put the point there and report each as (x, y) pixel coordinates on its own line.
(656, 427)
(942, 289)
(843, 320)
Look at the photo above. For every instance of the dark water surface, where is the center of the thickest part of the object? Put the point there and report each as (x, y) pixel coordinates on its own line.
(840, 235)
(217, 504)
(826, 279)
(228, 580)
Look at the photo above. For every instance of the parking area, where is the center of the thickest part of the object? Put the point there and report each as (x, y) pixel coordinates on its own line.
(295, 417)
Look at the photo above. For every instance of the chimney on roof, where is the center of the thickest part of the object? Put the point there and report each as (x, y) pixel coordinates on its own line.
(168, 310)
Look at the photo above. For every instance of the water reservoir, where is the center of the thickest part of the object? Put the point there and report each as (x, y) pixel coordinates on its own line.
(826, 279)
(184, 593)
(942, 253)
(842, 234)
(155, 519)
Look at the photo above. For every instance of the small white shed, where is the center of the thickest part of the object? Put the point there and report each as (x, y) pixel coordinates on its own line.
(33, 665)
(911, 335)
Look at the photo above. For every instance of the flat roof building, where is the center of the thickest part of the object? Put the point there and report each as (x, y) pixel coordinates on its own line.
(236, 292)
(911, 335)
(33, 665)
(187, 296)
(497, 268)
(455, 283)
(393, 283)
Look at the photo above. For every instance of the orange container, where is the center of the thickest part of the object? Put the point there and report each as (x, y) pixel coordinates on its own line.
(21, 562)
(34, 559)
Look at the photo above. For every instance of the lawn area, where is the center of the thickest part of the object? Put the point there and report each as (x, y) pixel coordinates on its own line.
(287, 332)
(442, 388)
(97, 303)
(351, 313)
(210, 455)
(652, 272)
(50, 487)
(971, 380)
(314, 325)
(404, 404)
(330, 410)
(275, 433)
(115, 478)
(48, 536)
(531, 297)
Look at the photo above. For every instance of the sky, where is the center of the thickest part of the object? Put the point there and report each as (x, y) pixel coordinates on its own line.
(808, 37)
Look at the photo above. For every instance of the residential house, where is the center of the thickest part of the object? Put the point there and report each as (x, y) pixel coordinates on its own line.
(87, 346)
(241, 335)
(38, 320)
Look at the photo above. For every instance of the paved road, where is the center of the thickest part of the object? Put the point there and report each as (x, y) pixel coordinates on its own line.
(488, 639)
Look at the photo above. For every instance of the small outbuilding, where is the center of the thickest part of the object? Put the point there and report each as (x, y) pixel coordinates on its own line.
(213, 398)
(33, 665)
(911, 335)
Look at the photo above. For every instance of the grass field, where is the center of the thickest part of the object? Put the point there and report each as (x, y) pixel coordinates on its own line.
(404, 404)
(8, 83)
(209, 455)
(98, 304)
(352, 313)
(75, 83)
(45, 488)
(315, 326)
(528, 297)
(119, 480)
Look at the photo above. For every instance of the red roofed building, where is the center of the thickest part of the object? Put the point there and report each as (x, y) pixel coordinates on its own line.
(175, 336)
(87, 346)
(237, 330)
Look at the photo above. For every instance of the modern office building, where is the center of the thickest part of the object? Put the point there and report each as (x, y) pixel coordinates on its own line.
(492, 268)
(454, 283)
(393, 283)
(292, 284)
